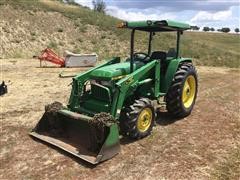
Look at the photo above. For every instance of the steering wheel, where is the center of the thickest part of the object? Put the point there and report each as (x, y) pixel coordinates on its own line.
(136, 55)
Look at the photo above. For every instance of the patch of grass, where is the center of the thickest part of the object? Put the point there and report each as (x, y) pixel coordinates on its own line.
(72, 42)
(31, 13)
(103, 37)
(17, 41)
(82, 29)
(94, 41)
(61, 44)
(230, 168)
(33, 39)
(235, 71)
(60, 30)
(80, 40)
(52, 45)
(6, 30)
(77, 24)
(17, 54)
(33, 33)
(77, 50)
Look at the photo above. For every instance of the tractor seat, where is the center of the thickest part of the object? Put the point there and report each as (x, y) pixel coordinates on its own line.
(159, 55)
(171, 53)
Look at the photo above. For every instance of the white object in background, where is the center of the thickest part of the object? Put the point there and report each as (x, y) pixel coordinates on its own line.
(80, 60)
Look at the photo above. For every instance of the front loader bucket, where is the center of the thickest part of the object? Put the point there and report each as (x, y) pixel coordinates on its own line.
(74, 133)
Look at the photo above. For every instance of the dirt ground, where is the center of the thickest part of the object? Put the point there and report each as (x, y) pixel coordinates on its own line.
(185, 149)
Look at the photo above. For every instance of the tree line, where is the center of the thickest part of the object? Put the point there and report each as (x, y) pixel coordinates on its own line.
(98, 5)
(206, 29)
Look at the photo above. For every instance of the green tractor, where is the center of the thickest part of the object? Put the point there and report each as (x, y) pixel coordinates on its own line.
(121, 96)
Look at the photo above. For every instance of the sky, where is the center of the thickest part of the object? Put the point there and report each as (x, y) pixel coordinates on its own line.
(211, 13)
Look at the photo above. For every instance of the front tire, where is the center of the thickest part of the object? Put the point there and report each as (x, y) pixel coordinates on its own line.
(182, 94)
(137, 119)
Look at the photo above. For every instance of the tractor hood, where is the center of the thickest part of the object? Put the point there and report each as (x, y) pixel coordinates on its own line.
(114, 70)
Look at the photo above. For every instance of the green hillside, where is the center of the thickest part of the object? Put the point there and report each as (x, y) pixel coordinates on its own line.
(29, 26)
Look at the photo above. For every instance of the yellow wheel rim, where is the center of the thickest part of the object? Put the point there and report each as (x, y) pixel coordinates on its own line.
(189, 91)
(144, 120)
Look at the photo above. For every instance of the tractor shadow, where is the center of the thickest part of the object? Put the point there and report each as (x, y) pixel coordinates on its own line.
(124, 140)
(162, 119)
(165, 119)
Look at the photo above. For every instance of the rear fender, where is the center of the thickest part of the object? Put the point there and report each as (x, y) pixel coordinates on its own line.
(171, 70)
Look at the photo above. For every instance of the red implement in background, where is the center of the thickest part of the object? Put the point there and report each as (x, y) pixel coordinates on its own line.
(49, 55)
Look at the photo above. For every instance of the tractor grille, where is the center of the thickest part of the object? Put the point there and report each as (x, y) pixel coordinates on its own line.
(100, 92)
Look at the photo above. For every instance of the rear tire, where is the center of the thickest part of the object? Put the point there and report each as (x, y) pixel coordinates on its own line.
(137, 119)
(182, 94)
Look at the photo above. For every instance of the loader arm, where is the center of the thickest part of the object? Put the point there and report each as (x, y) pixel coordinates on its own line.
(130, 83)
